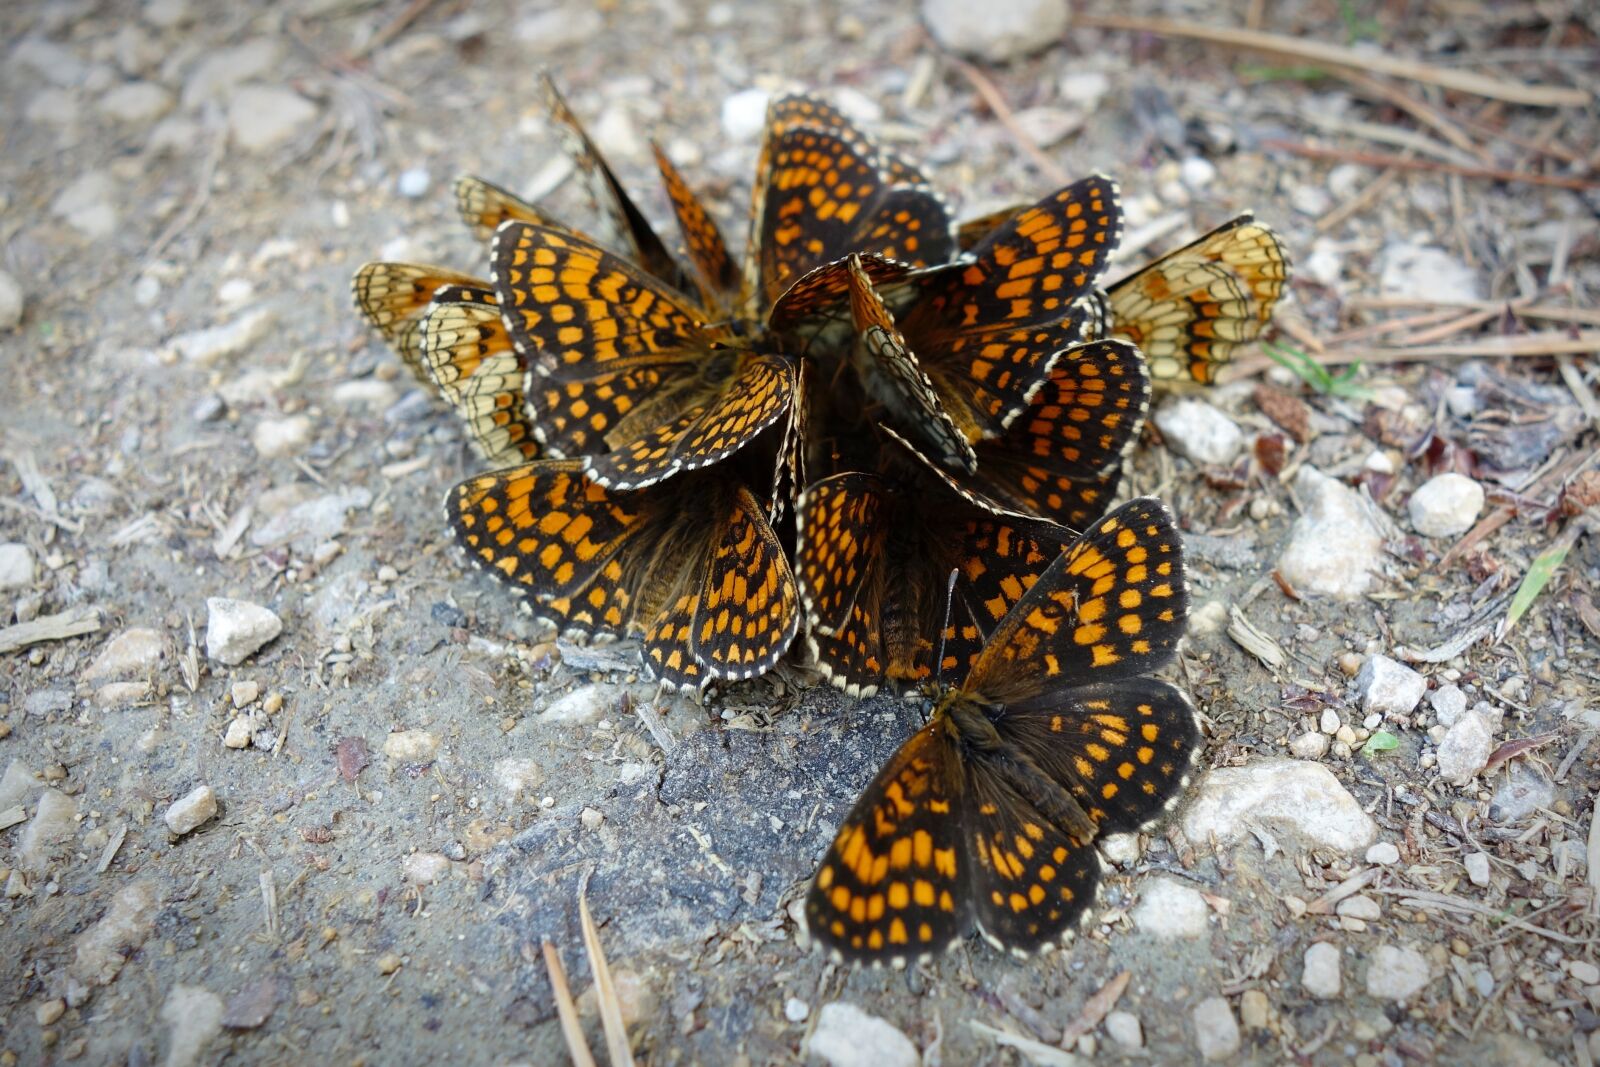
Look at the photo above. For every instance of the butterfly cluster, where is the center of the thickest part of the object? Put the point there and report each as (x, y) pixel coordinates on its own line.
(892, 433)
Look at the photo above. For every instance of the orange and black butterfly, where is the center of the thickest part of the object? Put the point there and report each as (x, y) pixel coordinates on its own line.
(690, 566)
(988, 815)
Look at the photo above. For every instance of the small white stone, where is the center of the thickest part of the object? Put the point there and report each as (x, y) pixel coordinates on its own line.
(1310, 745)
(1291, 796)
(1198, 431)
(1121, 849)
(1321, 976)
(1123, 1028)
(1198, 172)
(281, 437)
(192, 810)
(1465, 748)
(1397, 973)
(1345, 736)
(370, 394)
(1430, 274)
(1583, 972)
(213, 343)
(195, 1015)
(796, 1010)
(1389, 687)
(846, 1036)
(136, 102)
(1083, 87)
(1384, 852)
(411, 746)
(1477, 864)
(995, 33)
(17, 567)
(216, 75)
(424, 868)
(1449, 703)
(1169, 909)
(262, 117)
(1048, 126)
(584, 704)
(54, 822)
(1334, 548)
(1446, 505)
(744, 114)
(130, 653)
(413, 182)
(88, 205)
(1216, 1032)
(559, 29)
(1328, 722)
(1359, 906)
(237, 735)
(244, 692)
(237, 629)
(235, 291)
(11, 302)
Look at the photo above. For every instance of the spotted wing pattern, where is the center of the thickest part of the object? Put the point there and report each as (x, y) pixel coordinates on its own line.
(1062, 457)
(988, 329)
(895, 885)
(739, 410)
(393, 297)
(891, 373)
(718, 276)
(483, 206)
(469, 355)
(690, 565)
(1190, 309)
(1023, 766)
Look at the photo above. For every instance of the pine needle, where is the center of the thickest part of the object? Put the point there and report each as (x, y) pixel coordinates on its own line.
(605, 992)
(566, 1009)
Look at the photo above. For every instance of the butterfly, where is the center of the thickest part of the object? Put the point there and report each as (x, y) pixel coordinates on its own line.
(1191, 308)
(690, 566)
(394, 298)
(978, 337)
(988, 815)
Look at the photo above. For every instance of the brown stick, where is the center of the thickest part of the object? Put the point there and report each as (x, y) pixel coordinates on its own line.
(1335, 56)
(1384, 159)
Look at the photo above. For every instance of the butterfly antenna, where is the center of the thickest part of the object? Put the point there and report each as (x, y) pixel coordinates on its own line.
(949, 600)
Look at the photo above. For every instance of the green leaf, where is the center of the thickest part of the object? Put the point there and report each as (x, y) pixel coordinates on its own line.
(1381, 741)
(1540, 571)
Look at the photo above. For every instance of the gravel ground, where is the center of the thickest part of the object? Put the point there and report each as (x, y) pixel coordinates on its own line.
(285, 783)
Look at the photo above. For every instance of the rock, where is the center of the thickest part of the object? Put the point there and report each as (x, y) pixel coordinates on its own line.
(1321, 973)
(136, 102)
(236, 629)
(192, 810)
(1446, 505)
(796, 1010)
(1123, 1028)
(281, 437)
(1397, 973)
(1583, 972)
(252, 1006)
(308, 524)
(1359, 906)
(1328, 722)
(17, 784)
(1121, 849)
(55, 107)
(56, 63)
(550, 32)
(411, 746)
(1334, 547)
(237, 735)
(1302, 799)
(132, 653)
(219, 72)
(1384, 852)
(1198, 431)
(1388, 687)
(744, 114)
(1254, 1009)
(371, 394)
(1170, 909)
(1449, 702)
(1521, 793)
(218, 342)
(1477, 865)
(47, 702)
(1309, 745)
(1431, 275)
(846, 1036)
(11, 302)
(100, 951)
(1048, 126)
(413, 182)
(49, 1012)
(17, 567)
(1465, 748)
(518, 774)
(1215, 1030)
(54, 822)
(995, 33)
(1083, 87)
(243, 692)
(120, 694)
(263, 117)
(584, 704)
(195, 1015)
(424, 868)
(166, 14)
(88, 205)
